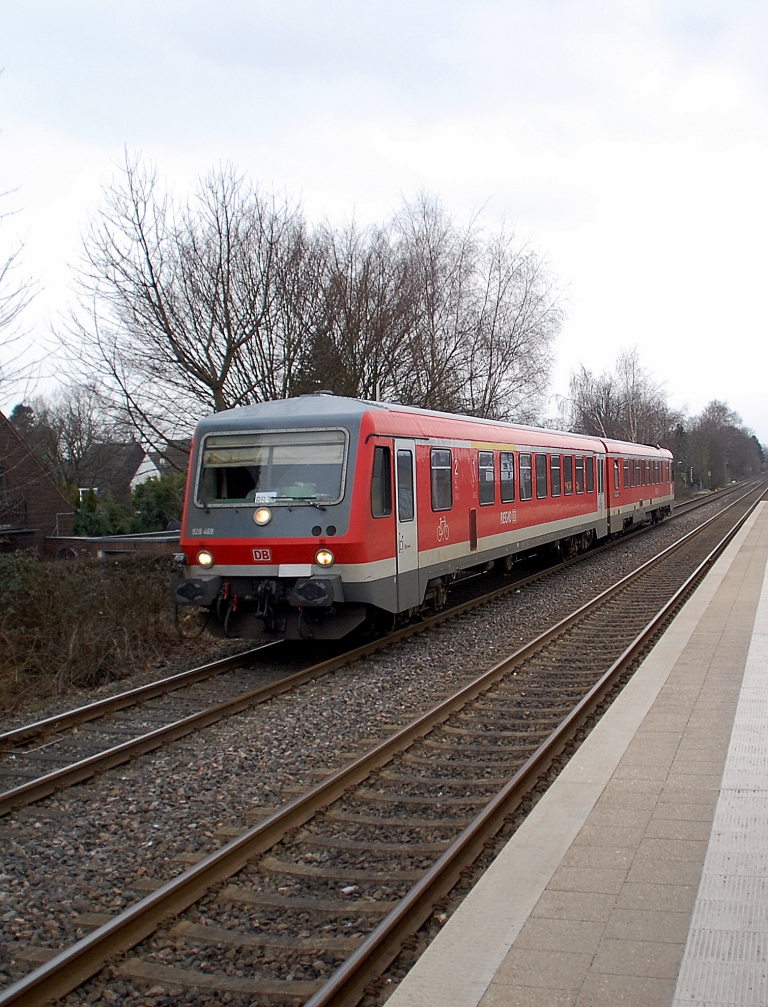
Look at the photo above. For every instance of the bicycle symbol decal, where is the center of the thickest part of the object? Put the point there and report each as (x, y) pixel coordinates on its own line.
(443, 530)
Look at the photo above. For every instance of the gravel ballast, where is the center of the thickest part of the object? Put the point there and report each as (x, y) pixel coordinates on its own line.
(99, 847)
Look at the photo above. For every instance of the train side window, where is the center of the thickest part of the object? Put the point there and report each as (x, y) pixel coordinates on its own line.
(626, 473)
(554, 475)
(590, 465)
(541, 476)
(442, 483)
(599, 475)
(579, 473)
(568, 474)
(487, 476)
(507, 459)
(381, 482)
(404, 485)
(526, 484)
(617, 473)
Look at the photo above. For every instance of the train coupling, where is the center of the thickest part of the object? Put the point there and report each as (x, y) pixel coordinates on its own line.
(195, 590)
(316, 592)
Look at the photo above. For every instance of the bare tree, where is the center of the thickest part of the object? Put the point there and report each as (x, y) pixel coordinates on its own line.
(366, 313)
(594, 404)
(627, 404)
(62, 429)
(484, 316)
(181, 308)
(16, 292)
(720, 447)
(230, 299)
(516, 317)
(440, 259)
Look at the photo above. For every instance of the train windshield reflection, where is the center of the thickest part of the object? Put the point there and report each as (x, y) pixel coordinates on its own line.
(289, 467)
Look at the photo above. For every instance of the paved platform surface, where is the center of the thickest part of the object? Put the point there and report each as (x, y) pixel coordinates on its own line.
(641, 877)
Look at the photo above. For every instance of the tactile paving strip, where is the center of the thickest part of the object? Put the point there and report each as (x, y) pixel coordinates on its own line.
(726, 955)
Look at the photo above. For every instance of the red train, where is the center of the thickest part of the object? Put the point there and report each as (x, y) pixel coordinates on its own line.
(306, 518)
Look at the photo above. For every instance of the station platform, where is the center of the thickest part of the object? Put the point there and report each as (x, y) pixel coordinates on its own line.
(641, 877)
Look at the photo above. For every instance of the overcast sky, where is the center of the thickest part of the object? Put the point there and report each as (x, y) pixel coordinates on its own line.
(626, 141)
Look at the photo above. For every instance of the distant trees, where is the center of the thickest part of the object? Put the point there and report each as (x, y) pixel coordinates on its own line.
(719, 448)
(626, 404)
(710, 449)
(232, 298)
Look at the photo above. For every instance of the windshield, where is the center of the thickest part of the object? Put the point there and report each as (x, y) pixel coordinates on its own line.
(286, 467)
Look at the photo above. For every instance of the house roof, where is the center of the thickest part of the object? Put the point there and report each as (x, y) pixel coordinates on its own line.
(111, 467)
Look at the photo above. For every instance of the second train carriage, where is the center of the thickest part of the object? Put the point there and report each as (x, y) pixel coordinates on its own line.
(307, 517)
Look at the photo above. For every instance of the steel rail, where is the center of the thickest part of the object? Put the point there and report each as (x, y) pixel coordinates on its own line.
(111, 704)
(121, 700)
(347, 985)
(72, 966)
(84, 769)
(77, 772)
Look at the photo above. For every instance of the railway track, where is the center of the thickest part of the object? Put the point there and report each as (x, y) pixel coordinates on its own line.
(41, 758)
(317, 898)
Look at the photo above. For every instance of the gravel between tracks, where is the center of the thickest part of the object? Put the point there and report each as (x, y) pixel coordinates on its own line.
(88, 849)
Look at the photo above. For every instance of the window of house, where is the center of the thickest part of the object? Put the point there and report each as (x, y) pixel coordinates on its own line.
(579, 473)
(507, 472)
(526, 484)
(554, 475)
(487, 476)
(442, 484)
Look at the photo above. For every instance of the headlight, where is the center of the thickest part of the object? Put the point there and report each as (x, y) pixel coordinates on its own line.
(324, 557)
(204, 559)
(262, 516)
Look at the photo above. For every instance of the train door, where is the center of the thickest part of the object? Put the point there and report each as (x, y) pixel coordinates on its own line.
(601, 464)
(407, 528)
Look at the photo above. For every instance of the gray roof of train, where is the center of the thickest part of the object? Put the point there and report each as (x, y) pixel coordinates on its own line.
(325, 408)
(328, 408)
(304, 409)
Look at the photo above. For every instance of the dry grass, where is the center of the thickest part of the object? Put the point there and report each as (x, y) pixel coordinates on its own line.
(80, 624)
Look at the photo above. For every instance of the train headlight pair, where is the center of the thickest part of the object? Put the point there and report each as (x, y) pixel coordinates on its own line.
(324, 557)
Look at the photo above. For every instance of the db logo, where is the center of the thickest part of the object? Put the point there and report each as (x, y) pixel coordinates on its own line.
(262, 555)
